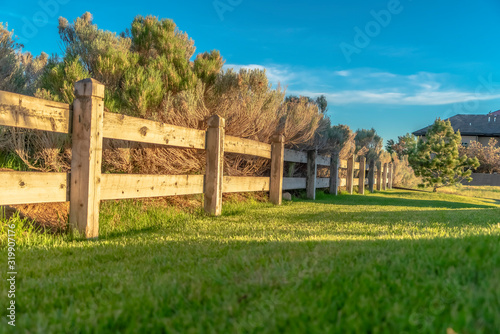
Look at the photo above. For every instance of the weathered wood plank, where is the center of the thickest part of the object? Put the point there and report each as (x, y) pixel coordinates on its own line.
(121, 186)
(290, 183)
(334, 174)
(33, 187)
(117, 126)
(247, 146)
(86, 157)
(215, 165)
(350, 174)
(295, 156)
(312, 171)
(28, 112)
(343, 164)
(356, 165)
(239, 184)
(323, 160)
(371, 176)
(362, 172)
(355, 182)
(277, 167)
(322, 182)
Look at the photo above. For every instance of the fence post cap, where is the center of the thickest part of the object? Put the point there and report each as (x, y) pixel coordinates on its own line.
(215, 121)
(279, 138)
(89, 87)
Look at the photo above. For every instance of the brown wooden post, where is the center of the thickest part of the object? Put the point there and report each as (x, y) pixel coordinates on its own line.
(391, 171)
(334, 173)
(350, 174)
(277, 165)
(362, 171)
(312, 171)
(371, 176)
(379, 176)
(215, 165)
(86, 157)
(384, 177)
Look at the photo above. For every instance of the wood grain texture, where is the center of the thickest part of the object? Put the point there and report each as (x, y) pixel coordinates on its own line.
(215, 166)
(121, 186)
(350, 175)
(33, 187)
(295, 156)
(312, 171)
(334, 174)
(277, 168)
(322, 182)
(239, 184)
(247, 146)
(28, 112)
(343, 164)
(86, 158)
(117, 126)
(371, 176)
(290, 183)
(362, 172)
(323, 160)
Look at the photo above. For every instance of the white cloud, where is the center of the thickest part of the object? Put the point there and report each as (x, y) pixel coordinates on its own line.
(371, 86)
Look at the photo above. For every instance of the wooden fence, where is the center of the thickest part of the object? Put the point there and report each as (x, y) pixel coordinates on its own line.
(87, 123)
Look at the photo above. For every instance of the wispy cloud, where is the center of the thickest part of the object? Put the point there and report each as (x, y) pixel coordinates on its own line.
(371, 86)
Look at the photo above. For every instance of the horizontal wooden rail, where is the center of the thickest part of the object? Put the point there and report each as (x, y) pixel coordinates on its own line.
(238, 184)
(323, 160)
(247, 146)
(28, 112)
(290, 183)
(33, 187)
(295, 156)
(121, 186)
(117, 126)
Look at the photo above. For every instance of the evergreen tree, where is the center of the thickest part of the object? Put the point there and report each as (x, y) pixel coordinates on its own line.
(437, 159)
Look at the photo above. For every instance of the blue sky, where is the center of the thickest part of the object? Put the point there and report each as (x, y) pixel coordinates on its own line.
(392, 65)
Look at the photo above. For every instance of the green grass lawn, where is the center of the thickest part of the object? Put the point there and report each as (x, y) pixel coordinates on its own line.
(473, 191)
(389, 262)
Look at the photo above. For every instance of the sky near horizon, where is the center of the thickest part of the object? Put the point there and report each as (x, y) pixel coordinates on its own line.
(392, 65)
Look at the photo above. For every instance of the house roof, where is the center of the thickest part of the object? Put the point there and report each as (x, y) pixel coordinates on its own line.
(495, 113)
(472, 125)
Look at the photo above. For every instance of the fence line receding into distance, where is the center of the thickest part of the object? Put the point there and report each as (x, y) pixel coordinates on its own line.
(87, 123)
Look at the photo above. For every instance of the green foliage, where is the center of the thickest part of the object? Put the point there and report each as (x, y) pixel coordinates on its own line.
(368, 143)
(437, 158)
(19, 71)
(406, 145)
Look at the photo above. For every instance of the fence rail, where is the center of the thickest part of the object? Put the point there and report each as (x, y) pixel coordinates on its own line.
(87, 123)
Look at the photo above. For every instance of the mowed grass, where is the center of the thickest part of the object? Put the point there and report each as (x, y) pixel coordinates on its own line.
(389, 262)
(473, 191)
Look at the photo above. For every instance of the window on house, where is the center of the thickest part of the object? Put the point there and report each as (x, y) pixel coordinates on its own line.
(465, 144)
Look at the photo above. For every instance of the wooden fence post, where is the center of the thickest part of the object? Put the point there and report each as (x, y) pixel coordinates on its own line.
(334, 173)
(362, 171)
(379, 176)
(215, 165)
(350, 174)
(371, 176)
(391, 171)
(277, 166)
(312, 171)
(86, 157)
(384, 177)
